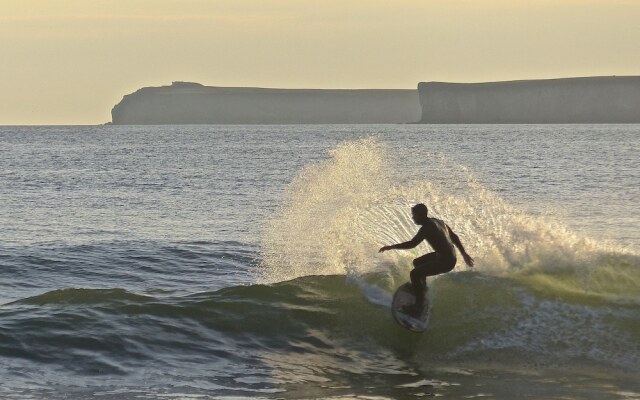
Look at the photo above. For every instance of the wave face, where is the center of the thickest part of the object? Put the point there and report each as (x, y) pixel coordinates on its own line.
(314, 330)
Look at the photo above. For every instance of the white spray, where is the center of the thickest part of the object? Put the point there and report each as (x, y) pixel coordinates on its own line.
(338, 212)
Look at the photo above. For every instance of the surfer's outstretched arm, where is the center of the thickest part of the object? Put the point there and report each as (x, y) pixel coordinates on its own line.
(404, 245)
(456, 241)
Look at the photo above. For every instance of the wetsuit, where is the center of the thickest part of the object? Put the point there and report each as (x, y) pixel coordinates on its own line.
(442, 260)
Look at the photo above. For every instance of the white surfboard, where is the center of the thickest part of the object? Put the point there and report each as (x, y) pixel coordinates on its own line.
(404, 296)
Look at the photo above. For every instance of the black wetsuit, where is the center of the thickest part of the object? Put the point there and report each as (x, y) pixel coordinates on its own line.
(442, 260)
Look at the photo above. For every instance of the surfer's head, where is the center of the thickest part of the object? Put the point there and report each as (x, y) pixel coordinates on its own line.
(419, 213)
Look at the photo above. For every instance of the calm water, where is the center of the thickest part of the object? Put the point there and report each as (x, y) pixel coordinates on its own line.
(241, 261)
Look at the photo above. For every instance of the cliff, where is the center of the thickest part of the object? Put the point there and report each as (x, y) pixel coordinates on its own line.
(570, 100)
(192, 103)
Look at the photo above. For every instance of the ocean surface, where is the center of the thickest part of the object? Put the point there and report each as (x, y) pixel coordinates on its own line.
(195, 262)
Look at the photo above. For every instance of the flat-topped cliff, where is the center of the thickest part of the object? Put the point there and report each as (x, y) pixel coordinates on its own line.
(569, 100)
(192, 103)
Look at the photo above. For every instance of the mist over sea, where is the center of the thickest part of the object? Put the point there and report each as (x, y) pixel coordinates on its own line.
(203, 261)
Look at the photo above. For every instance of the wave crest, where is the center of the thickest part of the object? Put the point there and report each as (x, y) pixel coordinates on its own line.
(338, 212)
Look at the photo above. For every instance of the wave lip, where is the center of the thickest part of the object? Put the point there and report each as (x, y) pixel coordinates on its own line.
(157, 268)
(84, 296)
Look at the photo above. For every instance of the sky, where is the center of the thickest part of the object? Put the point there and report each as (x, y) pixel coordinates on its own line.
(71, 61)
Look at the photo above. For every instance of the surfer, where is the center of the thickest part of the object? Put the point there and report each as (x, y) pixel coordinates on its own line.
(442, 239)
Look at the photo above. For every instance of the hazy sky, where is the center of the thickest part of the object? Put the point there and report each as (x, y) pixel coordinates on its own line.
(70, 61)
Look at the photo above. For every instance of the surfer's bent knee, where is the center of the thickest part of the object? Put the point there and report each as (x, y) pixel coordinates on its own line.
(448, 264)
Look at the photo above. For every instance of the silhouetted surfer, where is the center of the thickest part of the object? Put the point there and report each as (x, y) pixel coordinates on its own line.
(442, 239)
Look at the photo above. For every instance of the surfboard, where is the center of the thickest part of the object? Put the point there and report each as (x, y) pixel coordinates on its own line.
(404, 296)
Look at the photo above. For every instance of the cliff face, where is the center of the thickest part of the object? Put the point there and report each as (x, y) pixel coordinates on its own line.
(192, 103)
(571, 100)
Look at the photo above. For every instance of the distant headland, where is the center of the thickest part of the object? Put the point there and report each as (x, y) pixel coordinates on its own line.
(590, 100)
(193, 103)
(566, 100)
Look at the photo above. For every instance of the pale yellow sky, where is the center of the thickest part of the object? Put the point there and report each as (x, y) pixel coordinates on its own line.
(70, 61)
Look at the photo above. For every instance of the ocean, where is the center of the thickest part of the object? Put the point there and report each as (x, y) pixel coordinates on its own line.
(232, 262)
